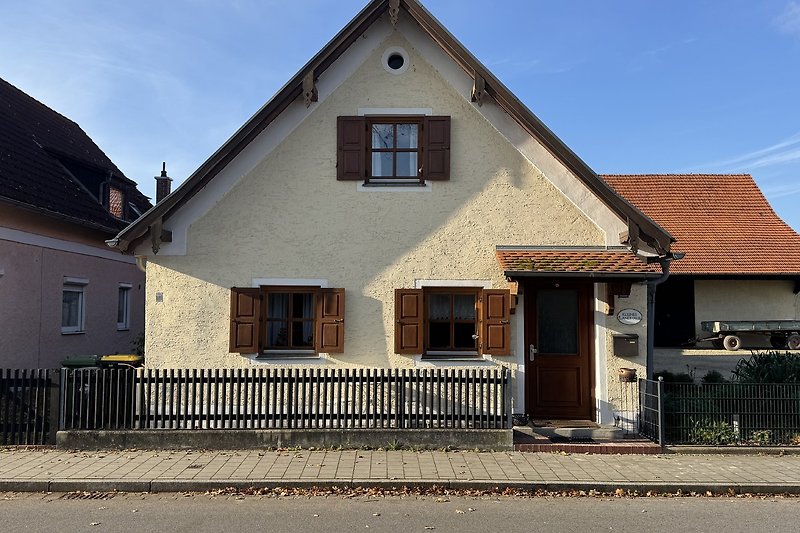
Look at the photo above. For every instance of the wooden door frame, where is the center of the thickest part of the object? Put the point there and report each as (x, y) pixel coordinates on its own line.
(585, 320)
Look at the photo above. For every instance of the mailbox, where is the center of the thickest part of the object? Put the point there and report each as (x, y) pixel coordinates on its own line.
(626, 345)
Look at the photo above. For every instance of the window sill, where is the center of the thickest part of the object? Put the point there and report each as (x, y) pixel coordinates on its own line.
(414, 186)
(284, 358)
(73, 332)
(123, 328)
(427, 361)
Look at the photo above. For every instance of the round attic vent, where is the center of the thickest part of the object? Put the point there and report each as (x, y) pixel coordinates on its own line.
(395, 60)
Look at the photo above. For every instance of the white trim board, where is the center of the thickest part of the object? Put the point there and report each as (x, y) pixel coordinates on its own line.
(52, 243)
(290, 282)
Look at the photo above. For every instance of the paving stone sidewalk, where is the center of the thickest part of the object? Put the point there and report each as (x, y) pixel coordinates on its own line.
(161, 471)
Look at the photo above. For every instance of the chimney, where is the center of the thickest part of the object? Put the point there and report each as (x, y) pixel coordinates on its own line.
(163, 184)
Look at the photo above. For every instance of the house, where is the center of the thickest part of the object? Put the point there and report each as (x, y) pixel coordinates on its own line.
(740, 263)
(395, 205)
(63, 292)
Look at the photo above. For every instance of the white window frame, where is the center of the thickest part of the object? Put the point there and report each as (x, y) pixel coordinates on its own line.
(124, 288)
(75, 285)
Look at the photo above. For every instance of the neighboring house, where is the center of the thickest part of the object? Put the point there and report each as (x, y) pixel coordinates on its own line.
(62, 291)
(741, 259)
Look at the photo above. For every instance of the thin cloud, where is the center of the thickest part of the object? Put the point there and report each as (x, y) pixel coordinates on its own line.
(789, 20)
(781, 152)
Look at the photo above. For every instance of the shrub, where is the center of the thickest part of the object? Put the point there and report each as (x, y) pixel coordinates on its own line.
(761, 437)
(768, 367)
(712, 432)
(712, 376)
(670, 377)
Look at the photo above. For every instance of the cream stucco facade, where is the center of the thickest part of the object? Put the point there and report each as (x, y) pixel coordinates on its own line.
(278, 215)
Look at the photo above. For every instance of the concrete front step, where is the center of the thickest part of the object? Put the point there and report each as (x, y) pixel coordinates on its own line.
(582, 433)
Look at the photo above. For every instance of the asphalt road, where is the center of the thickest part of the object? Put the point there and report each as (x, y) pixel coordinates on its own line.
(61, 513)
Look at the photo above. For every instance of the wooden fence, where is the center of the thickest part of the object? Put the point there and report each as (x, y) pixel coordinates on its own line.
(285, 398)
(26, 403)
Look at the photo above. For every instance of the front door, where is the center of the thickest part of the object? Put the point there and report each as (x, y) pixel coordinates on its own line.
(558, 334)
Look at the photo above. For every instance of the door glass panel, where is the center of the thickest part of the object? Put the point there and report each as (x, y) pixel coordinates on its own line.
(557, 321)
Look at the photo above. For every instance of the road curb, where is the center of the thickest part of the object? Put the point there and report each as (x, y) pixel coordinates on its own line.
(193, 485)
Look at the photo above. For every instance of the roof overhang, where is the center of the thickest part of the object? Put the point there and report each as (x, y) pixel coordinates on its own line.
(574, 262)
(641, 229)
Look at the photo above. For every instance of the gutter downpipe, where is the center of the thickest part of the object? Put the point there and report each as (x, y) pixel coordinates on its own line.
(651, 311)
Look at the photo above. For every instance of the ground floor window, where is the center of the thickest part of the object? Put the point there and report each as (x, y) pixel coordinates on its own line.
(290, 317)
(73, 305)
(449, 321)
(124, 307)
(287, 320)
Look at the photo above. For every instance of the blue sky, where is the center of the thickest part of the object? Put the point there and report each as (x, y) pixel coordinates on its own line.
(631, 86)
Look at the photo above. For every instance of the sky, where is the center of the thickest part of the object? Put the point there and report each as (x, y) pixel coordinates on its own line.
(632, 86)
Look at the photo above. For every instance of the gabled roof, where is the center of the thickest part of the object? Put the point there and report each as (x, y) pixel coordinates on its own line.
(640, 226)
(721, 221)
(584, 262)
(37, 145)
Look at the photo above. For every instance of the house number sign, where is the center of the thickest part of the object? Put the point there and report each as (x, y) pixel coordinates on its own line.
(630, 317)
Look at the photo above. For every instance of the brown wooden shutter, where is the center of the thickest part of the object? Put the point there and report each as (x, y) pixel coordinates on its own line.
(330, 321)
(351, 158)
(245, 320)
(496, 318)
(408, 329)
(436, 164)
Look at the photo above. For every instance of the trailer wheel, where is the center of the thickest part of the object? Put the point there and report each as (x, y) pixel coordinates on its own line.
(778, 341)
(733, 343)
(793, 342)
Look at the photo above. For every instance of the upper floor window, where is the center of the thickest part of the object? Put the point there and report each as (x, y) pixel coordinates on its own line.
(393, 149)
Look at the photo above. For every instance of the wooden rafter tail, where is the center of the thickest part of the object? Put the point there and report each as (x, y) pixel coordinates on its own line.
(310, 93)
(478, 89)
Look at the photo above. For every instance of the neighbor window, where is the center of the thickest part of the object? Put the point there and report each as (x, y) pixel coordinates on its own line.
(398, 149)
(448, 321)
(73, 306)
(287, 320)
(124, 306)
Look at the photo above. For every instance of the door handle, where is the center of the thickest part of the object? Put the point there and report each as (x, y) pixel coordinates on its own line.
(532, 352)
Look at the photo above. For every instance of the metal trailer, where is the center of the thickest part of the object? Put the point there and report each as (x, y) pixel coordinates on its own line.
(725, 333)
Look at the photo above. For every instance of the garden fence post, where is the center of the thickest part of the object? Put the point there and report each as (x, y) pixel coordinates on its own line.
(661, 414)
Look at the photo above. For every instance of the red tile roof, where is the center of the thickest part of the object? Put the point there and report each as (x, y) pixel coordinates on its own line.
(552, 261)
(721, 221)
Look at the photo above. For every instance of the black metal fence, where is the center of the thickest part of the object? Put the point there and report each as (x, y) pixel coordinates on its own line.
(730, 413)
(718, 414)
(28, 398)
(285, 398)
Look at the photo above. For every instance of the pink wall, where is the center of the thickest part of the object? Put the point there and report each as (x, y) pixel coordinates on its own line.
(30, 303)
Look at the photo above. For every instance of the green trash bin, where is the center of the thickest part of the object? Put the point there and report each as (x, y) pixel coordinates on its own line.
(81, 361)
